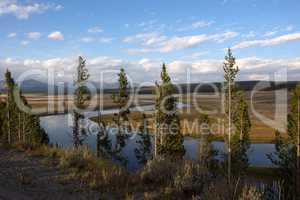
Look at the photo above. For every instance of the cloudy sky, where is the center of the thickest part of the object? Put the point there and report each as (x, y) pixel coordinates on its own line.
(189, 36)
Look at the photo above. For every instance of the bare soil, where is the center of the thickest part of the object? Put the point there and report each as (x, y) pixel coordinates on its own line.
(25, 177)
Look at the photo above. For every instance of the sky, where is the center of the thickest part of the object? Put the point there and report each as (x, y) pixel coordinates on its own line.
(191, 37)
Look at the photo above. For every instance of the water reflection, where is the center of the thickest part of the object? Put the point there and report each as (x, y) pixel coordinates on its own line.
(133, 150)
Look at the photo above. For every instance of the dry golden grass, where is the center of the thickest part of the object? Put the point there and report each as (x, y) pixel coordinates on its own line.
(263, 102)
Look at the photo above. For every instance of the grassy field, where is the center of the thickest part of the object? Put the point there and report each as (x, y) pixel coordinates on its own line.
(263, 102)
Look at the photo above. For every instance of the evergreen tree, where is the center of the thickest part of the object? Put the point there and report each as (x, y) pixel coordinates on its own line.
(230, 72)
(241, 139)
(79, 101)
(2, 120)
(170, 141)
(18, 125)
(11, 109)
(206, 152)
(286, 156)
(204, 123)
(122, 99)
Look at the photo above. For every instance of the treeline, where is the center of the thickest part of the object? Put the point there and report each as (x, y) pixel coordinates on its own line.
(168, 141)
(206, 87)
(287, 155)
(17, 125)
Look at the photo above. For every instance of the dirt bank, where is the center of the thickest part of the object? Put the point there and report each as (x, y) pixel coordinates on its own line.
(25, 177)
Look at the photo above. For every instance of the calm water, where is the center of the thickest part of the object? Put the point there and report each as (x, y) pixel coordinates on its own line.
(130, 150)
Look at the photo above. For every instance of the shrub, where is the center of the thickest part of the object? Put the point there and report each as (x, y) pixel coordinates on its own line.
(75, 158)
(250, 193)
(158, 170)
(191, 177)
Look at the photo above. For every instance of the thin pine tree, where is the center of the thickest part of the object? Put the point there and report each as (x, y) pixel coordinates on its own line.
(230, 72)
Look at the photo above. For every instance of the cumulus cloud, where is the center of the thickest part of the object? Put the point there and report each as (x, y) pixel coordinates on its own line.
(268, 42)
(12, 35)
(56, 35)
(34, 35)
(154, 42)
(24, 11)
(251, 68)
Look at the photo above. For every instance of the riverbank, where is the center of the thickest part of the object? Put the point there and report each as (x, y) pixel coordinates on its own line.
(258, 135)
(50, 173)
(27, 176)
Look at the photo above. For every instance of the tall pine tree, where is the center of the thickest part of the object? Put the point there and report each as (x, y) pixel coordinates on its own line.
(122, 99)
(19, 126)
(287, 152)
(230, 72)
(169, 140)
(79, 101)
(241, 139)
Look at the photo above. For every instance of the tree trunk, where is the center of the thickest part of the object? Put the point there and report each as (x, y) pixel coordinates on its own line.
(241, 127)
(19, 127)
(23, 128)
(229, 133)
(8, 128)
(298, 152)
(8, 120)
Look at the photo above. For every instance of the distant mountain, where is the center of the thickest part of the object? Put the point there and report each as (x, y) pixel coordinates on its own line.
(244, 85)
(29, 86)
(35, 86)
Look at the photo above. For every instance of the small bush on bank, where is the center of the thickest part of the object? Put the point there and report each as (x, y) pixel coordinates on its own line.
(75, 158)
(191, 178)
(251, 193)
(158, 171)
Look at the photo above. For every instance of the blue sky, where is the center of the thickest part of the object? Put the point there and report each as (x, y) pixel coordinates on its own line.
(139, 35)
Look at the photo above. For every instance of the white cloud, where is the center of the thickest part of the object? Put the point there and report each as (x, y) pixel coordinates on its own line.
(290, 28)
(95, 39)
(95, 29)
(24, 43)
(195, 55)
(250, 34)
(88, 39)
(155, 42)
(196, 25)
(24, 11)
(105, 39)
(270, 33)
(201, 24)
(12, 35)
(148, 23)
(268, 42)
(251, 68)
(56, 35)
(34, 35)
(144, 38)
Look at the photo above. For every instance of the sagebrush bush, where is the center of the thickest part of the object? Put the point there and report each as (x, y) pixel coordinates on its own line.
(191, 177)
(159, 171)
(75, 158)
(251, 193)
